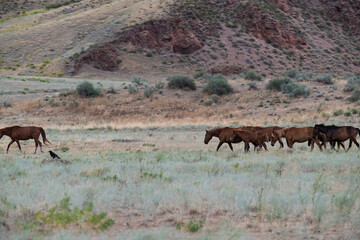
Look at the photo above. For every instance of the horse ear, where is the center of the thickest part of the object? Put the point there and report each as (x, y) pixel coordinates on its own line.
(206, 130)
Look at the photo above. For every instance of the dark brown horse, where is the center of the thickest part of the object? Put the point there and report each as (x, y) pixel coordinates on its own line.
(17, 133)
(338, 134)
(294, 134)
(225, 135)
(258, 138)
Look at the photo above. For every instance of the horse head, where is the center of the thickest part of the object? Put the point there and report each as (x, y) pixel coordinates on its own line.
(208, 136)
(274, 138)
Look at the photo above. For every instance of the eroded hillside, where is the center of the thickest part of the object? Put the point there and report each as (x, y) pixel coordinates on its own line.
(228, 37)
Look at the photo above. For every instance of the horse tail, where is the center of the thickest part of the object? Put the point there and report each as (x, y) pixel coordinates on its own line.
(44, 136)
(358, 129)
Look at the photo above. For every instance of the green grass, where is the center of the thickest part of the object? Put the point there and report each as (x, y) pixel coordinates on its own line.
(275, 187)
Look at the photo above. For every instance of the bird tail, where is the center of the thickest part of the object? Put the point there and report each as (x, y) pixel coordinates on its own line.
(44, 137)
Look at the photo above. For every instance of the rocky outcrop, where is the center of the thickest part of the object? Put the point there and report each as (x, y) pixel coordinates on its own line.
(104, 58)
(264, 26)
(164, 33)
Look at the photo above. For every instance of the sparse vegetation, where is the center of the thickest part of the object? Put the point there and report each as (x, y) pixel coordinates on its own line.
(60, 4)
(62, 215)
(181, 82)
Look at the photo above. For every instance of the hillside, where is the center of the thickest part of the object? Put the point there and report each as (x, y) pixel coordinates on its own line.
(114, 38)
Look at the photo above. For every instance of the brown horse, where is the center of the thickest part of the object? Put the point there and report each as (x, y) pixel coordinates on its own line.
(225, 135)
(17, 133)
(338, 134)
(258, 138)
(294, 134)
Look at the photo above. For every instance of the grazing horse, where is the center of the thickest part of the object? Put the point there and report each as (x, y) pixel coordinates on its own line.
(17, 133)
(294, 134)
(258, 138)
(225, 135)
(338, 134)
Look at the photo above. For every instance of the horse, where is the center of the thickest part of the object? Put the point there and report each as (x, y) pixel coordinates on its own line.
(294, 134)
(225, 135)
(338, 134)
(258, 138)
(17, 133)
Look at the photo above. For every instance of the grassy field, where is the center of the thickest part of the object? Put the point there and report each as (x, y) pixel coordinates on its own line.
(165, 183)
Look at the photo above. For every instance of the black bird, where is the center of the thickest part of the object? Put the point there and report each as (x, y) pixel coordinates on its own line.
(54, 155)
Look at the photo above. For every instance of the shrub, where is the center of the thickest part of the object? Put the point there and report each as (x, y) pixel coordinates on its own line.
(252, 86)
(194, 226)
(347, 114)
(148, 91)
(132, 88)
(292, 73)
(355, 96)
(295, 90)
(251, 75)
(352, 84)
(325, 79)
(139, 81)
(6, 104)
(214, 98)
(199, 74)
(338, 112)
(86, 89)
(286, 85)
(276, 83)
(218, 85)
(181, 82)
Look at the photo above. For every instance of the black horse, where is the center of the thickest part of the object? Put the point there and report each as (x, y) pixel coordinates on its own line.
(338, 134)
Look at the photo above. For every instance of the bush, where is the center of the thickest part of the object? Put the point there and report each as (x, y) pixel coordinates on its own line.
(132, 88)
(139, 81)
(295, 90)
(181, 82)
(218, 85)
(86, 89)
(293, 73)
(286, 85)
(338, 112)
(148, 91)
(325, 79)
(355, 96)
(199, 74)
(352, 84)
(215, 98)
(276, 83)
(251, 75)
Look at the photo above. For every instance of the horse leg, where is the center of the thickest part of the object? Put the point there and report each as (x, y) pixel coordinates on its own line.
(350, 143)
(220, 143)
(247, 147)
(356, 143)
(7, 150)
(231, 147)
(264, 145)
(317, 143)
(40, 144)
(18, 143)
(36, 146)
(281, 143)
(342, 144)
(288, 142)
